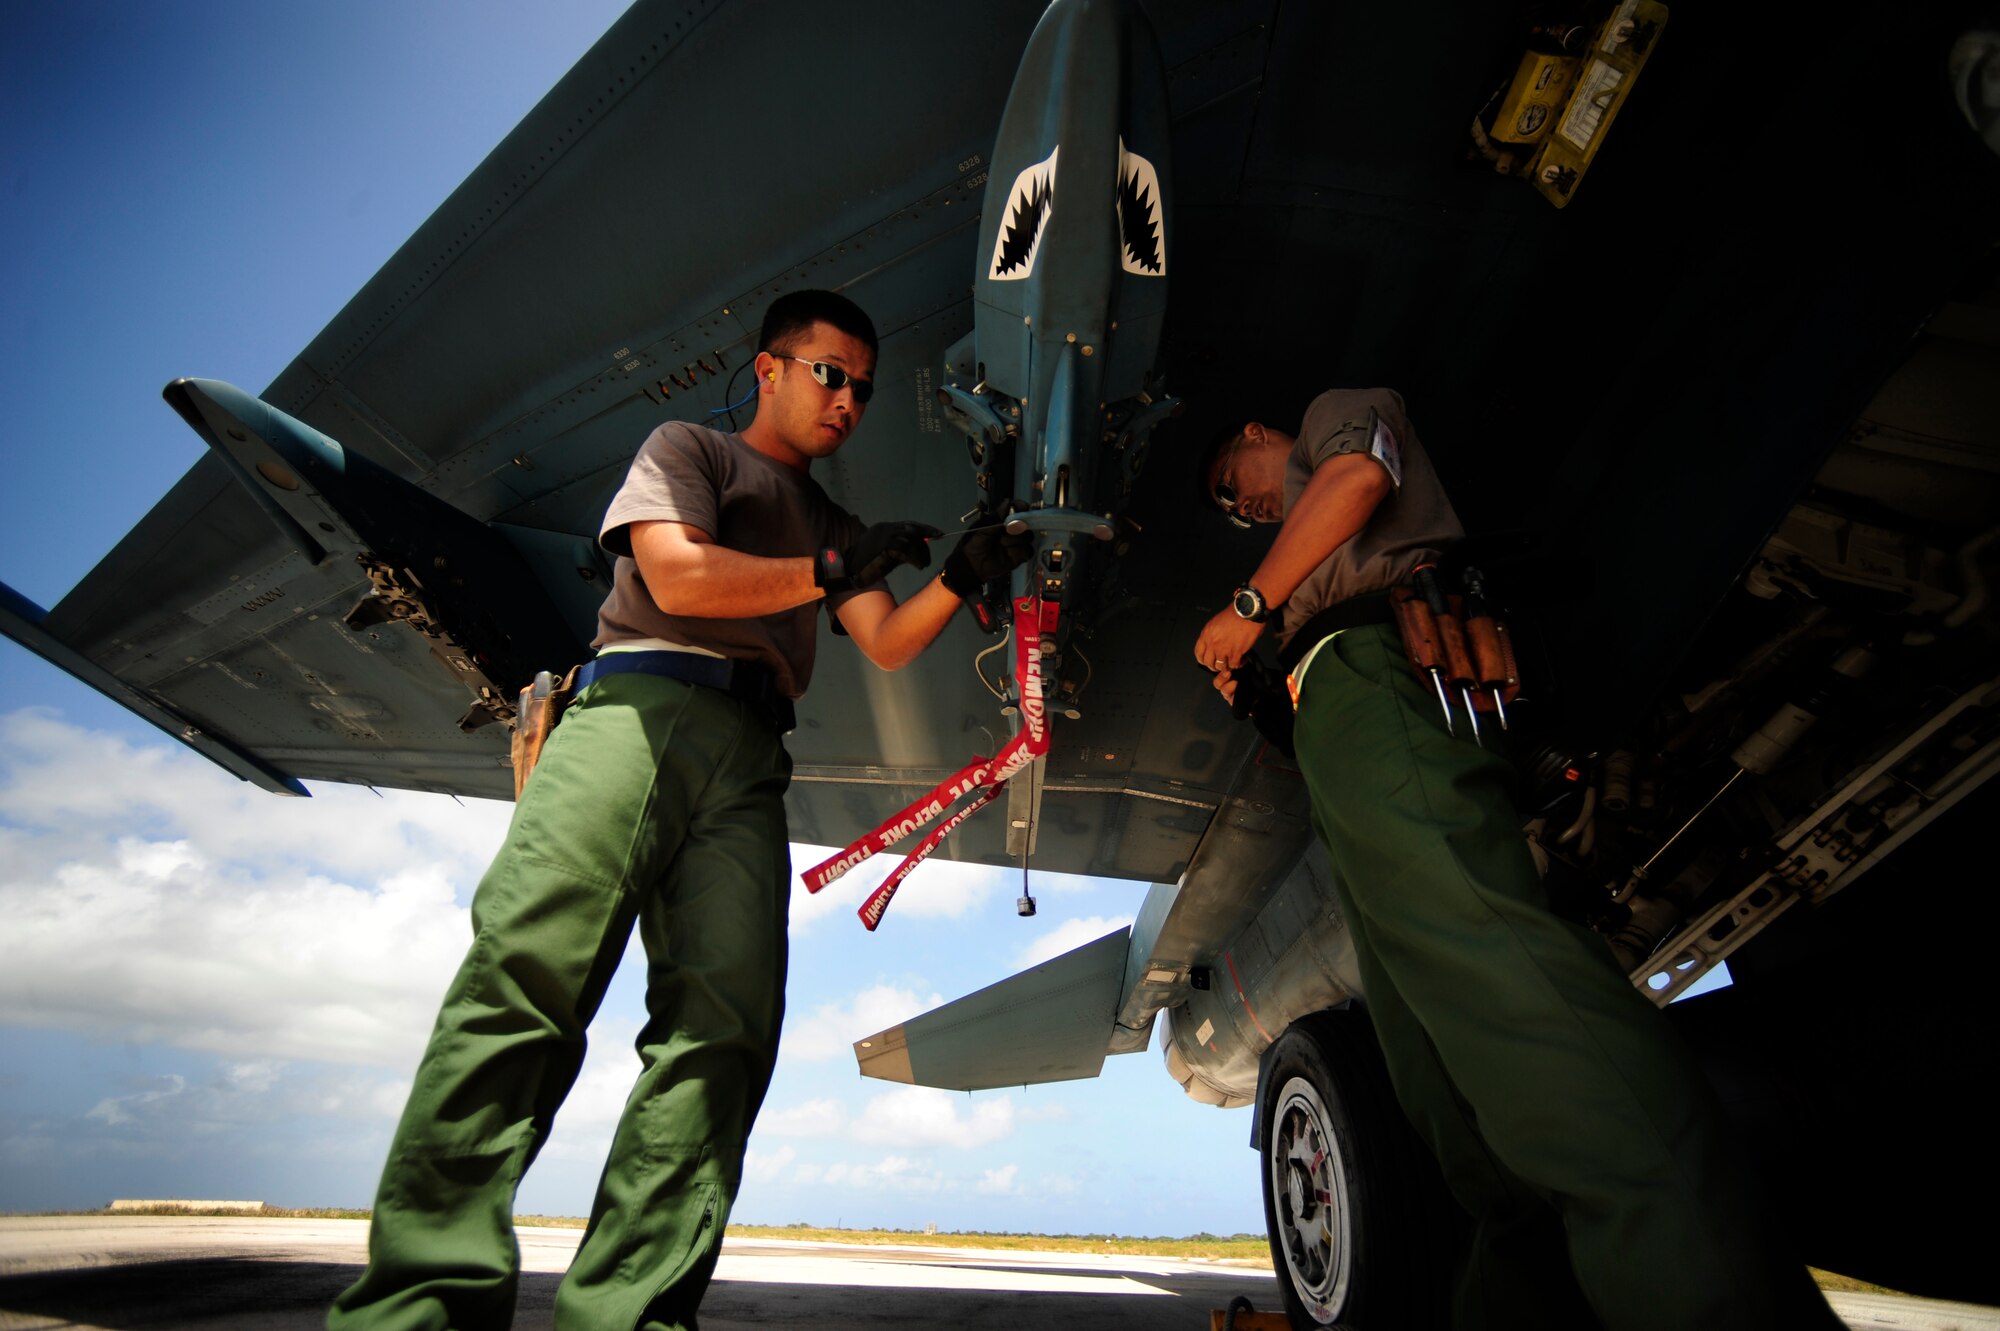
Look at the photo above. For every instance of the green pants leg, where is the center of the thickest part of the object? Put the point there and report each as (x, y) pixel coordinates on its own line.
(707, 1050)
(1534, 1042)
(655, 801)
(1515, 1274)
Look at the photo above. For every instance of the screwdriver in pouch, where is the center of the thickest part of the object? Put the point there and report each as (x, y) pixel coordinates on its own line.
(1420, 638)
(1451, 635)
(1490, 652)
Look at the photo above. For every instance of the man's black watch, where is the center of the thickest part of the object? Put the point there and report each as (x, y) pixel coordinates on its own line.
(1249, 604)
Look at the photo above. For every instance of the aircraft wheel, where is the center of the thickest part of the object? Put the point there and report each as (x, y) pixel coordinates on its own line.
(1362, 1230)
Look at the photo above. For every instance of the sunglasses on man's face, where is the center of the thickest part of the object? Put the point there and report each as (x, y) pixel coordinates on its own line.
(1222, 492)
(1224, 495)
(833, 379)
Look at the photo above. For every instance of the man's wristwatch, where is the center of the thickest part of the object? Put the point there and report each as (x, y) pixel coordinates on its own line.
(1249, 604)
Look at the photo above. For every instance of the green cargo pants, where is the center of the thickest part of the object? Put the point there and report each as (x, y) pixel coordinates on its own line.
(655, 802)
(1549, 1088)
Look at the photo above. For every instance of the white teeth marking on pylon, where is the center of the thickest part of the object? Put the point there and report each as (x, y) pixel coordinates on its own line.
(1142, 231)
(1030, 204)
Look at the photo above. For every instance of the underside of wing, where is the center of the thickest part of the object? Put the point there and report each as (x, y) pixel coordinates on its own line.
(605, 269)
(1669, 353)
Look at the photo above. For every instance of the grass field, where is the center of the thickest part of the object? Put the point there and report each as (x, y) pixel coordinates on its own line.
(1239, 1249)
(1236, 1249)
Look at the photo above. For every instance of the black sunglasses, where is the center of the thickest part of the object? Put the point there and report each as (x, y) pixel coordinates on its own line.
(833, 378)
(1223, 493)
(1225, 499)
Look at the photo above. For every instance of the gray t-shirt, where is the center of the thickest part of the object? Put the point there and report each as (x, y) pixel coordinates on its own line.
(1413, 523)
(717, 483)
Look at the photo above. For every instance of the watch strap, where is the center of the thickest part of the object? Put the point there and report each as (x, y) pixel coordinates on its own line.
(829, 569)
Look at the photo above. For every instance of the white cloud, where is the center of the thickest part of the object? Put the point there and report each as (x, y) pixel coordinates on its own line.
(153, 898)
(58, 776)
(948, 890)
(999, 1182)
(596, 1100)
(917, 1116)
(842, 898)
(831, 1029)
(894, 1173)
(247, 1103)
(767, 1166)
(1068, 936)
(114, 1110)
(386, 1099)
(1043, 1113)
(256, 1077)
(208, 957)
(912, 1118)
(937, 889)
(814, 1118)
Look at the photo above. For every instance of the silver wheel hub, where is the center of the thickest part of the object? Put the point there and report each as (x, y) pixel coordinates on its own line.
(1309, 1191)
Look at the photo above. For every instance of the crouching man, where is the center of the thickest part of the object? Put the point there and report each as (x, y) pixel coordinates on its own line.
(1568, 1118)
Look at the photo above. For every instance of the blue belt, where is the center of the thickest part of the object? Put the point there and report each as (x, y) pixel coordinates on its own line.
(752, 683)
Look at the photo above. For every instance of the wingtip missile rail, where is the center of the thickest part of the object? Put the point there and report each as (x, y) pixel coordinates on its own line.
(430, 565)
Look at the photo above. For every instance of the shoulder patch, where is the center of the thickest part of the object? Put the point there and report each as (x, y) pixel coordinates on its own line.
(1383, 448)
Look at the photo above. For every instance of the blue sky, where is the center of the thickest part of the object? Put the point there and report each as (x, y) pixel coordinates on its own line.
(207, 991)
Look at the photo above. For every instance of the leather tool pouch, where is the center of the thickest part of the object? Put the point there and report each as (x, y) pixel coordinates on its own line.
(540, 707)
(1460, 641)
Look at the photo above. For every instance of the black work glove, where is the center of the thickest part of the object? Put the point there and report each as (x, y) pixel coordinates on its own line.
(983, 554)
(1263, 700)
(872, 554)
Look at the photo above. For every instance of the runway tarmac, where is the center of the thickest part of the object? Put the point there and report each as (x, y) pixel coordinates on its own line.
(208, 1273)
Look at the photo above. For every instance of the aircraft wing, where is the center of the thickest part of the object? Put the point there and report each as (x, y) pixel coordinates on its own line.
(603, 270)
(606, 268)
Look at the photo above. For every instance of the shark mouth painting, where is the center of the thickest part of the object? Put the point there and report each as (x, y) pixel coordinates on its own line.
(1029, 206)
(1141, 236)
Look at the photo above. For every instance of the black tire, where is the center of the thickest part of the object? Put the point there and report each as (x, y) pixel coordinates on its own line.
(1363, 1233)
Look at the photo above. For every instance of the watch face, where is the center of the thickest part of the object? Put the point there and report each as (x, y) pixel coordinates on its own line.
(1249, 604)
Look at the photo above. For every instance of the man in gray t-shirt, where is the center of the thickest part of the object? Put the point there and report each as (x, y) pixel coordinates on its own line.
(1559, 1103)
(707, 481)
(657, 803)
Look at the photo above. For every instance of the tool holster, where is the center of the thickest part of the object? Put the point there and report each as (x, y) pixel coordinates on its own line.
(1456, 639)
(541, 706)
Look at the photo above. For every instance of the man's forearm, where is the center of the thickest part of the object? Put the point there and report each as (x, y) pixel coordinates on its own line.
(902, 634)
(1336, 503)
(714, 582)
